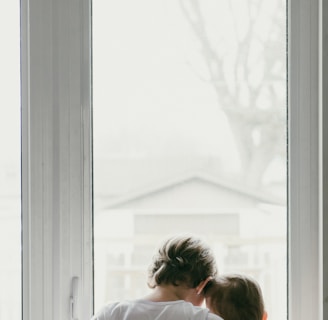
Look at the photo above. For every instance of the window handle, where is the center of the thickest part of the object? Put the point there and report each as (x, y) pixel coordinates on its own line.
(74, 298)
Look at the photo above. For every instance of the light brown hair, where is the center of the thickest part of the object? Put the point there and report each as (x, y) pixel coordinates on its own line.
(183, 260)
(235, 297)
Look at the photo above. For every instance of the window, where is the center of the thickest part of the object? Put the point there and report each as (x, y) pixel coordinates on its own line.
(189, 104)
(56, 160)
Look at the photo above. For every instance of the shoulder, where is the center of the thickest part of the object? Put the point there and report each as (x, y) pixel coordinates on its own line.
(212, 316)
(108, 311)
(202, 313)
(156, 310)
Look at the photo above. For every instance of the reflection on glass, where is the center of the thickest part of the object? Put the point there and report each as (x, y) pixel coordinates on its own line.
(10, 210)
(189, 136)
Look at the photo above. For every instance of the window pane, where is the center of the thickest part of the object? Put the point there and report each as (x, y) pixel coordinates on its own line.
(190, 136)
(10, 211)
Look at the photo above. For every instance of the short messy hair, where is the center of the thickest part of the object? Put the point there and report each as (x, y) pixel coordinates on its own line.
(235, 297)
(182, 260)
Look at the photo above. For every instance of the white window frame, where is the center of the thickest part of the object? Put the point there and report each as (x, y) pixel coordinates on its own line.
(57, 158)
(323, 156)
(307, 166)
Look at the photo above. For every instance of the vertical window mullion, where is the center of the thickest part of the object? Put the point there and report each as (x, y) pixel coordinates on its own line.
(304, 151)
(56, 158)
(324, 149)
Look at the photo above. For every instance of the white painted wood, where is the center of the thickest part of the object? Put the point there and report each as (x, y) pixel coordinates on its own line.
(56, 157)
(305, 272)
(324, 152)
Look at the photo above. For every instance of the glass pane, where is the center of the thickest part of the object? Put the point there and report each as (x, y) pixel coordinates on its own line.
(10, 210)
(190, 136)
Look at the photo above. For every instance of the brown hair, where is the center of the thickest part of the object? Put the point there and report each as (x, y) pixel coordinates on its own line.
(182, 260)
(235, 297)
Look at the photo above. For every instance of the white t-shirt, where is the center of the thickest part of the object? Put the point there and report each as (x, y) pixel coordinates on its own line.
(148, 310)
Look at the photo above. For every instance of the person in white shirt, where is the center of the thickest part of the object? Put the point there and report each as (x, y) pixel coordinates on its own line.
(178, 274)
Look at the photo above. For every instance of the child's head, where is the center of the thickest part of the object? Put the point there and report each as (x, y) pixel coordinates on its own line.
(235, 297)
(182, 260)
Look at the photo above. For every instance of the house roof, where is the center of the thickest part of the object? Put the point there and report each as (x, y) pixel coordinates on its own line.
(182, 179)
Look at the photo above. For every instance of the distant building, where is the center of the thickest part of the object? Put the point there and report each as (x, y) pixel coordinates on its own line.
(238, 223)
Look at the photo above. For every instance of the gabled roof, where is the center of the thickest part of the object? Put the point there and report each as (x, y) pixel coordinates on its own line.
(165, 185)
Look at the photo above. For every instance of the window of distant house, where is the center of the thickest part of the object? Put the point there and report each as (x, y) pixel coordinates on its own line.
(189, 101)
(10, 208)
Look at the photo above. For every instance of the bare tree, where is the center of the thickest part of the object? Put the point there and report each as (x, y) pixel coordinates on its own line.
(258, 123)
